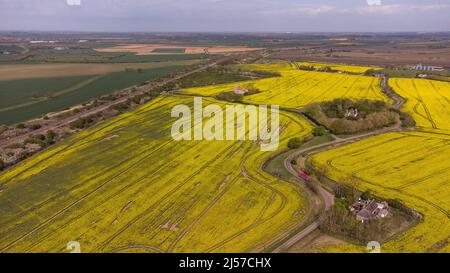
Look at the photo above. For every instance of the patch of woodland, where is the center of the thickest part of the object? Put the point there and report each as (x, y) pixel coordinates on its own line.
(371, 115)
(340, 221)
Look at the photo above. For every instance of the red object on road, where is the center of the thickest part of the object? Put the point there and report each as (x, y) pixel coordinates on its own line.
(305, 176)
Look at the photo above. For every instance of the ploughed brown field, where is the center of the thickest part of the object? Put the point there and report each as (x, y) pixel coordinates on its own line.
(148, 49)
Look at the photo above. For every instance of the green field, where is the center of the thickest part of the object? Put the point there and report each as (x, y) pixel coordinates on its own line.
(16, 92)
(11, 48)
(169, 50)
(26, 99)
(127, 186)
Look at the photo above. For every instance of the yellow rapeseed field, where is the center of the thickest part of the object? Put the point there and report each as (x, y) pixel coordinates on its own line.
(428, 101)
(410, 166)
(127, 186)
(296, 88)
(339, 67)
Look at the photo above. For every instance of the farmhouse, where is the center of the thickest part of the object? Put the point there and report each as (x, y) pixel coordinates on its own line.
(238, 90)
(351, 112)
(370, 209)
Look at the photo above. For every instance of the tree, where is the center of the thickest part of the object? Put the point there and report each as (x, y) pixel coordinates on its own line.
(20, 126)
(407, 120)
(354, 181)
(2, 165)
(34, 126)
(366, 195)
(294, 143)
(137, 99)
(230, 96)
(337, 126)
(319, 131)
(50, 137)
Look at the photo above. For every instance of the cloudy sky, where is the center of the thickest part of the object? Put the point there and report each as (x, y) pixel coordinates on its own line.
(226, 15)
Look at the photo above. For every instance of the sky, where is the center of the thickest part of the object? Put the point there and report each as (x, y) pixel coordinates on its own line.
(226, 15)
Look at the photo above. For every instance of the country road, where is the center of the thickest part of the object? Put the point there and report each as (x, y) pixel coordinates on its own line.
(100, 108)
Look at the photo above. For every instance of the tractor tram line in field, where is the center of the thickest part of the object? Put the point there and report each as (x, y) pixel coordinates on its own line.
(79, 143)
(48, 221)
(430, 151)
(420, 99)
(151, 149)
(114, 194)
(108, 181)
(166, 196)
(204, 212)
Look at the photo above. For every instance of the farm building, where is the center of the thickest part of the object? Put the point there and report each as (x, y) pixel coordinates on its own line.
(351, 112)
(238, 90)
(370, 209)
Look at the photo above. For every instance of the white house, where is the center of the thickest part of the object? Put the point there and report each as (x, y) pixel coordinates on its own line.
(238, 90)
